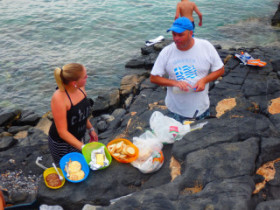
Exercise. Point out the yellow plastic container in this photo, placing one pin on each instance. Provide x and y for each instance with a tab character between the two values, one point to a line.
51	171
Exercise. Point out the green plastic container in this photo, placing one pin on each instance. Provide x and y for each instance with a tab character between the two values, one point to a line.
88	148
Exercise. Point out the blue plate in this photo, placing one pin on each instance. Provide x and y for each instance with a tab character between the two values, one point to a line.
74	156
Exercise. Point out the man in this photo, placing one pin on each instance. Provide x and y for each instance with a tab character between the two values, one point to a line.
185	8
187	62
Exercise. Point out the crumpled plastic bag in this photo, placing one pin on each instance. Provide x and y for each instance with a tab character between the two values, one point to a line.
167	129
150	157
92	164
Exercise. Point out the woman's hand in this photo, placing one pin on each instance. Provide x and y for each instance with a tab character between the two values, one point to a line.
93	136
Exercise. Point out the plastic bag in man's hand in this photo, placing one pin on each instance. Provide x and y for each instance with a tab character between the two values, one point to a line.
166	128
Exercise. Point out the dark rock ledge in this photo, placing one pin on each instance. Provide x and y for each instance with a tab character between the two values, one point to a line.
218	162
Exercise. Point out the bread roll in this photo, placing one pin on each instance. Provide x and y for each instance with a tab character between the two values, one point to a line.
122	156
116	154
77	175
74	166
112	148
130	151
119	146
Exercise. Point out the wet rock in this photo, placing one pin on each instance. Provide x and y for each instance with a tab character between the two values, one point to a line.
268	205
128	101
218	162
130	84
276	65
44	125
120	112
136	63
102	126
275	21
7	116
270	150
27	118
232	193
105	102
16	129
7	142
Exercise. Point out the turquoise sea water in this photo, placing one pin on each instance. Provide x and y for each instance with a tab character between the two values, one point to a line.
37	36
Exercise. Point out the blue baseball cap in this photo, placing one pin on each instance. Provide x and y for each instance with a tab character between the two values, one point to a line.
181	24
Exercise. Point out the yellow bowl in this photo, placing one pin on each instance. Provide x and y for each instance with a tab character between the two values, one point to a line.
51	171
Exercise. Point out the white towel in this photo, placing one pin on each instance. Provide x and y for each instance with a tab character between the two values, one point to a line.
154	41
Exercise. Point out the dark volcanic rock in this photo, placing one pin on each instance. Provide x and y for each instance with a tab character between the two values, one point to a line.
275	21
218	162
27	118
7	116
7	142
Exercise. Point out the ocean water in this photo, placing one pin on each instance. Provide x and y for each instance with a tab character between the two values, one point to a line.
37	36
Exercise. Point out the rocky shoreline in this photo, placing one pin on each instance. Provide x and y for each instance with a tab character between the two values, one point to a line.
217	167
217	164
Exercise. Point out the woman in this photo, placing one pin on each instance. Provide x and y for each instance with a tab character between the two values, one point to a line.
71	109
2	201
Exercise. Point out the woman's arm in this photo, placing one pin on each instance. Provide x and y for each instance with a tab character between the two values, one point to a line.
92	133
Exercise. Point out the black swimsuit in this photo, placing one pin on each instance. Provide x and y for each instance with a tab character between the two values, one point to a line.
77	117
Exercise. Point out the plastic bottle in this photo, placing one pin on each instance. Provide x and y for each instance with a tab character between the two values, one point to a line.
247	56
177	90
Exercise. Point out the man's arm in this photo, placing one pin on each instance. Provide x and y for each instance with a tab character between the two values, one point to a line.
200	85
199	14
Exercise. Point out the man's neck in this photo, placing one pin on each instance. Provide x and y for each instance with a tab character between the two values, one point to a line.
187	46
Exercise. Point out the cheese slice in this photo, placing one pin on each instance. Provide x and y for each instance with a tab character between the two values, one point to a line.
100	159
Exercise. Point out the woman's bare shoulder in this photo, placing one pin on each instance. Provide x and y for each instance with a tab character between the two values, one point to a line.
59	96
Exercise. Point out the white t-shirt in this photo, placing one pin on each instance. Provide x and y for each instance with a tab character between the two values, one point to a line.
190	66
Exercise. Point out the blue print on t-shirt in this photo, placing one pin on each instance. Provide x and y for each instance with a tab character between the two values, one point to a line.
185	72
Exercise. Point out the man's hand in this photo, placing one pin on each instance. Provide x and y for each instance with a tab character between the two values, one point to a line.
200	85
183	85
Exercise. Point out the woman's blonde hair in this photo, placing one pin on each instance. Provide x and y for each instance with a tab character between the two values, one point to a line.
68	73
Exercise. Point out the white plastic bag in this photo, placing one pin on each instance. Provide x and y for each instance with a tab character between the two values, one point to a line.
150	157
167	129
47	207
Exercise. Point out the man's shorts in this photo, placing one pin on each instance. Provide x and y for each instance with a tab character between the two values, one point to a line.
181	118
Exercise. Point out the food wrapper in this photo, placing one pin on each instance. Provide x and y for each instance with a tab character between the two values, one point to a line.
98	159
